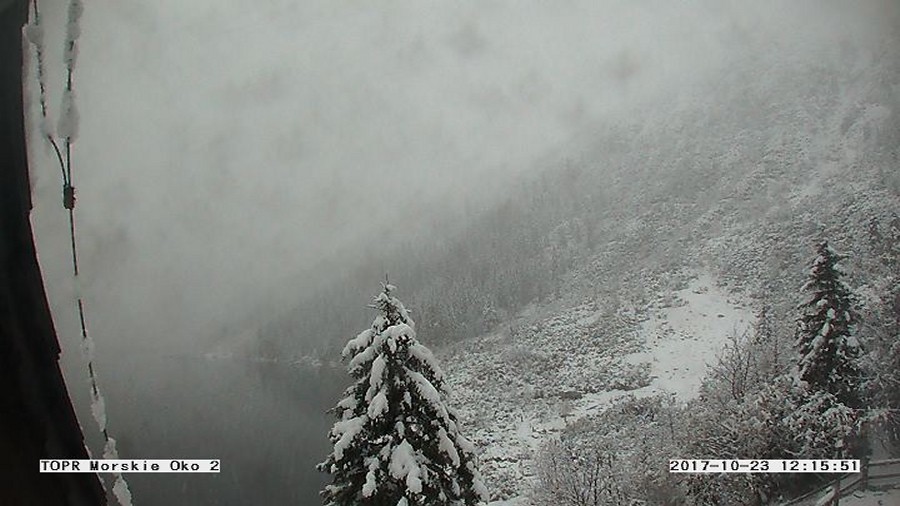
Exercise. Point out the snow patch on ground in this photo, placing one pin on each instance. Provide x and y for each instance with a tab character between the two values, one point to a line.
515	501
683	341
872	498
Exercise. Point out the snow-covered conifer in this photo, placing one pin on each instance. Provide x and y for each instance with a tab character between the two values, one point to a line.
829	351
396	441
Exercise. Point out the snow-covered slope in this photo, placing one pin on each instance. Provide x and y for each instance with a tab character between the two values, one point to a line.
682	340
516	388
889	497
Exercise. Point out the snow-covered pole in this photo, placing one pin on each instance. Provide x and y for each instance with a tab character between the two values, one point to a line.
67	130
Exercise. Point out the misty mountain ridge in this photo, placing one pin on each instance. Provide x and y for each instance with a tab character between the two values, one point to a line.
740	178
592	277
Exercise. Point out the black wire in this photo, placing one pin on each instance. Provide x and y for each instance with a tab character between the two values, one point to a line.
74	247
39	54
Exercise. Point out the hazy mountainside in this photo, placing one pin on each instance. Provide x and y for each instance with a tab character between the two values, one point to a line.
521	387
620	269
738	177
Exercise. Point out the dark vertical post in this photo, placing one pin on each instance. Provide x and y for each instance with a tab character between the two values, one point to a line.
837	490
864	473
37	420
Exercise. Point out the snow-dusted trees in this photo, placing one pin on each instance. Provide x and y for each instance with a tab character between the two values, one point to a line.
829	351
888	361
582	472
883	321
616	457
396	442
754	405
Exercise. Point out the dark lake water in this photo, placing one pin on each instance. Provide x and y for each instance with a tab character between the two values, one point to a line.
266	422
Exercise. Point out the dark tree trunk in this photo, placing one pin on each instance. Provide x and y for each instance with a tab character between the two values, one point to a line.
37	420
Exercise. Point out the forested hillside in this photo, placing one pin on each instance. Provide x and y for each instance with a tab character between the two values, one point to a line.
740	176
549	304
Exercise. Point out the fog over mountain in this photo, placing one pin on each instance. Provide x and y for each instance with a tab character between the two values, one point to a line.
246	175
224	150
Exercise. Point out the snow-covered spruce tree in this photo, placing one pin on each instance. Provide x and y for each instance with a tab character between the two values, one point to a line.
396	442
829	351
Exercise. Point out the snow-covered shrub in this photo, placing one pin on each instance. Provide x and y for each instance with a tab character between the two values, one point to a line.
824	427
884	386
631	377
747	362
737	429
616	457
584	472
524	358
881	324
736	372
